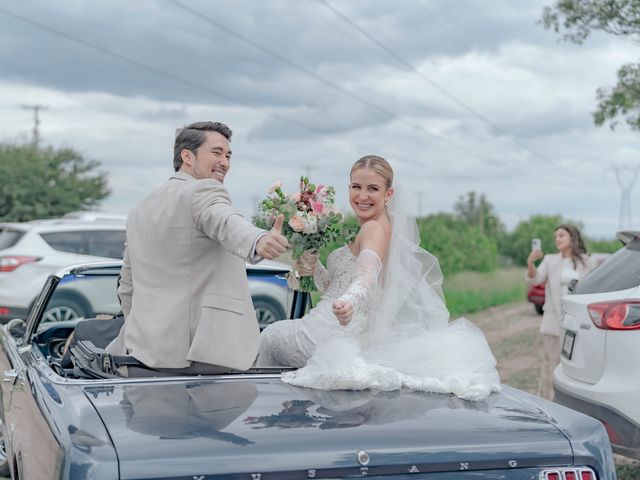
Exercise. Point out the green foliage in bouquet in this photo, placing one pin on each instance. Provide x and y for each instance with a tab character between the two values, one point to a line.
311	222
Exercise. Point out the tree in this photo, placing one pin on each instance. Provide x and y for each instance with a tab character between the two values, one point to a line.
603	246
45	183
476	211
457	245
578	18
537	226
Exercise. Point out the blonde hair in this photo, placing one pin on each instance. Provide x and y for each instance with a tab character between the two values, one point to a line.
377	164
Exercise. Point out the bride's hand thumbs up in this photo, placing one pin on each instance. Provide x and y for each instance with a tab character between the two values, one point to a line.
273	244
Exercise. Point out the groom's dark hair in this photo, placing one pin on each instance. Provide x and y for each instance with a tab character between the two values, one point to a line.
192	136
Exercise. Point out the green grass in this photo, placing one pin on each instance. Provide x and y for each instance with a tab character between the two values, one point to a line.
468	292
628	472
526	379
514	344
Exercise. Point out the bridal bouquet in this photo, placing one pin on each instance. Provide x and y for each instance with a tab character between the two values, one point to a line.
311	222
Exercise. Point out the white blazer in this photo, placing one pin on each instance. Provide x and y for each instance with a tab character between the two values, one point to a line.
184	289
550	273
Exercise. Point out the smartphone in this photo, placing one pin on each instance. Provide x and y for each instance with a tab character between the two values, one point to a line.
536	244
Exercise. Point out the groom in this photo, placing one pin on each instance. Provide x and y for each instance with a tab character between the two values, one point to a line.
184	288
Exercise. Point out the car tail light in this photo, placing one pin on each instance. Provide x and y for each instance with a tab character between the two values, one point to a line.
5	311
618	315
611	432
9	263
581	473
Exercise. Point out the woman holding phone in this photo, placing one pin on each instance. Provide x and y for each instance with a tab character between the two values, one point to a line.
558	271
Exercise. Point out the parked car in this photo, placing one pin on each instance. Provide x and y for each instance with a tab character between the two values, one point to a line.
535	293
600	349
31	251
88	422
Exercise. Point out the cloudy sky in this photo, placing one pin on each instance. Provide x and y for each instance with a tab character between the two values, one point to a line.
459	95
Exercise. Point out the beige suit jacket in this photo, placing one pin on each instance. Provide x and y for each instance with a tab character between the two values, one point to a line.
184	288
550	273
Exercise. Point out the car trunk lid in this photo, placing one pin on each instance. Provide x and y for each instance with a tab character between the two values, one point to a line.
258	425
583	345
584	348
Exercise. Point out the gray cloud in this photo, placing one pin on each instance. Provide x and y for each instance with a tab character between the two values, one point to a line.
302	112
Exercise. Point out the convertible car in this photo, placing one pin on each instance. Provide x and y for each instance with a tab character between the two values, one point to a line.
84	421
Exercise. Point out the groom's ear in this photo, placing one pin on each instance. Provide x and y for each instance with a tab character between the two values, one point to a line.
187	156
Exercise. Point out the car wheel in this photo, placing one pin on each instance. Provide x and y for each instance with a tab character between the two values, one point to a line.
4	463
538	308
60	309
267	311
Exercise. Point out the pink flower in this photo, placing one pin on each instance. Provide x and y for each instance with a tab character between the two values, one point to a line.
295	196
296	223
275	186
319	189
317	207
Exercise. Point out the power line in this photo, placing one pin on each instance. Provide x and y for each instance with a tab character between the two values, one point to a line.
198	86
149	68
461	42
431	82
171	76
335	86
276	55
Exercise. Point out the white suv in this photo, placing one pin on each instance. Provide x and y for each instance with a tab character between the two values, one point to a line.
31	251
601	346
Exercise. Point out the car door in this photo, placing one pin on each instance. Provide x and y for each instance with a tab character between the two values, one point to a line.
33	441
10	368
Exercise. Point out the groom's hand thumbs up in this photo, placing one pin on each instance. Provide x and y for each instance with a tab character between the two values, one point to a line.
277	225
273	244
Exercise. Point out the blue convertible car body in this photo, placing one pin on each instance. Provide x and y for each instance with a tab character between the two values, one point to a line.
61	423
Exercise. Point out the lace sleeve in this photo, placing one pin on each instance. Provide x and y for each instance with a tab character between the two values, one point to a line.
321	277
368	269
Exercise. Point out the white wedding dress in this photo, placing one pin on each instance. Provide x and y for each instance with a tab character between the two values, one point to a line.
399	335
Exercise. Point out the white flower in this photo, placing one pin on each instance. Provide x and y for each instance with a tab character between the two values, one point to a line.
275	186
310	224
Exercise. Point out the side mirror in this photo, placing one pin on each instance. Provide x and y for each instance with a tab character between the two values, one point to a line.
17	327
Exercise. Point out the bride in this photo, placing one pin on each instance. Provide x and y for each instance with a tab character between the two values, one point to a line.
382	322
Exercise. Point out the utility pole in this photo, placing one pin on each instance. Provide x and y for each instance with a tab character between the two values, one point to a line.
35	139
420	203
308	169
625	216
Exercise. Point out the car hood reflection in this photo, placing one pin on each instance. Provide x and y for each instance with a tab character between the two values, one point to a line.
213	426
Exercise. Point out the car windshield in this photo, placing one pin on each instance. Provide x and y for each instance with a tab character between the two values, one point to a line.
83	294
92	292
621	271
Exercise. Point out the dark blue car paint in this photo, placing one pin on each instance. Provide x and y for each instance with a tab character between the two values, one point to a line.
254	426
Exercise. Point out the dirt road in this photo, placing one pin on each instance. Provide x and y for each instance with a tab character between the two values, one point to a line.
512	333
